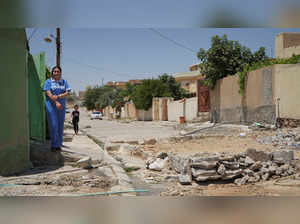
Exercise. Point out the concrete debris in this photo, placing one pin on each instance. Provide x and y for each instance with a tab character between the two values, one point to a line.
283	156
111	147
85	163
221	170
242	168
249	161
150	141
158	164
258	155
185	179
283	140
205	165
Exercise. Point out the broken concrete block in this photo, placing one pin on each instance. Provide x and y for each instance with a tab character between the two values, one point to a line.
206	165
206	178
241	181
231	165
158	164
176	163
265	176
285	156
256	166
221	170
249	161
198	172
150	141
111	147
85	163
231	174
185	179
208	159
258	155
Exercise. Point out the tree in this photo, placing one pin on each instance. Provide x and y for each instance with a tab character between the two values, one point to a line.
172	86
226	57
96	97
164	86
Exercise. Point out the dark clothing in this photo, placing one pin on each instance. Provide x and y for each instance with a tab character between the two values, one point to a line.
76	127
75	120
75	115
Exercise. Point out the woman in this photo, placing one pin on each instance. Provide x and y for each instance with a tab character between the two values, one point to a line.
56	90
75	119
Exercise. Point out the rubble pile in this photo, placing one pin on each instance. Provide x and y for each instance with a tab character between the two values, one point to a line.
290	139
287	123
79	181
247	167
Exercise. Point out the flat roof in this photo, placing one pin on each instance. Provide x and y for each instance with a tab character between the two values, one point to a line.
191	74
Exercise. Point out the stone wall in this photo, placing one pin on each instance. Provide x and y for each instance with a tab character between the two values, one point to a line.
257	104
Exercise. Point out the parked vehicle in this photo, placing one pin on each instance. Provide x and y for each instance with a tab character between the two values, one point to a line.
96	115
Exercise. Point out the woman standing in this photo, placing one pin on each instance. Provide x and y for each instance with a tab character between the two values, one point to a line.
56	90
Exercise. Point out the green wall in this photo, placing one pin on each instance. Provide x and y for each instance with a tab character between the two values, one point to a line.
37	114
14	117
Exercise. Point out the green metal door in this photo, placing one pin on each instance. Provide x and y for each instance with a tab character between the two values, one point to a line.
36	78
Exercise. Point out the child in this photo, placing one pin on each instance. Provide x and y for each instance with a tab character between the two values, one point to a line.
75	119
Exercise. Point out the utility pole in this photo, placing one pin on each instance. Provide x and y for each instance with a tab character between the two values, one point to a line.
58	46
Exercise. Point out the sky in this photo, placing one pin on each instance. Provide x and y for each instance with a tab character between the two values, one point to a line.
90	55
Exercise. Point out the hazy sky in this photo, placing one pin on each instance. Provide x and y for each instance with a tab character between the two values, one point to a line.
115	54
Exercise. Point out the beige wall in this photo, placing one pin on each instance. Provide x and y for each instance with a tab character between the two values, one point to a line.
287	88
191	108
143	115
178	108
259	103
229	96
160	108
227	105
189	85
175	110
287	44
256	86
129	111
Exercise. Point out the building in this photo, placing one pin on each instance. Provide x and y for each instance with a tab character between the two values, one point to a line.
81	94
287	44
188	80
14	119
122	85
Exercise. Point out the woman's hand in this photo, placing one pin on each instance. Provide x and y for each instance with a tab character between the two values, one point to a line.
54	97
58	105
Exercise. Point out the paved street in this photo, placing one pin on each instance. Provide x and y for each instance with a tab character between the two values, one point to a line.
106	130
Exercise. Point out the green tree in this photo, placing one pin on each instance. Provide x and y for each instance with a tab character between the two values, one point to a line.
164	86
226	57
173	87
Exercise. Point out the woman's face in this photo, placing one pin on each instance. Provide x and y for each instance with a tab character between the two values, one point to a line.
56	74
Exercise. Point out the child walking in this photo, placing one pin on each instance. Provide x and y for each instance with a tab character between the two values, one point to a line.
75	119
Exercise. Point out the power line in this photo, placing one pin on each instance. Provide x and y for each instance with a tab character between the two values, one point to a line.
173	41
96	68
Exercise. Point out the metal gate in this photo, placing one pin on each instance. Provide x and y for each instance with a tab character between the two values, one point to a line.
203	97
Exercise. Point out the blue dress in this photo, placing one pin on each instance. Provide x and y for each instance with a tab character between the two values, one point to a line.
56	117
